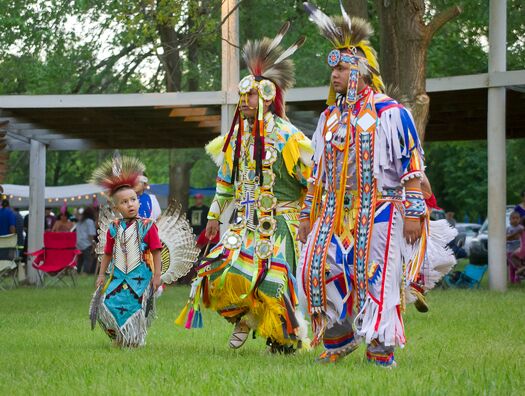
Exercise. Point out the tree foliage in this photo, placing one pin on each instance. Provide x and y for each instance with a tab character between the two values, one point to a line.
458	173
107	46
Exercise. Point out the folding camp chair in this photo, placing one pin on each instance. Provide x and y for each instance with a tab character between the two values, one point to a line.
468	279
58	259
8	260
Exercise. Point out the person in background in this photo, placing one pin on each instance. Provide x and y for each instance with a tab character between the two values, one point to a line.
26	238
86	232
50	219
450	218
520	208
514	231
149	205
74	217
514	248
19	228
198	214
63	224
7	219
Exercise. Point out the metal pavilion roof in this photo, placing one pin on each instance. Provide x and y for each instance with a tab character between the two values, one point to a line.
458	111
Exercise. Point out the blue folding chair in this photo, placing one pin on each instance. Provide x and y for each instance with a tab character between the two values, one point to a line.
468	279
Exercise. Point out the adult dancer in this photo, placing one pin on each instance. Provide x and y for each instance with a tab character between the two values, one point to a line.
364	217
248	278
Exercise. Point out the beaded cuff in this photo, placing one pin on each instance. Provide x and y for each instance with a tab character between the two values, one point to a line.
415	205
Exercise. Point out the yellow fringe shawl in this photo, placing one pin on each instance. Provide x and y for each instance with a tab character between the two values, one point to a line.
296	147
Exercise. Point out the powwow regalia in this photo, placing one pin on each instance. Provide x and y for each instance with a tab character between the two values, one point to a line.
125	305
356	265
263	167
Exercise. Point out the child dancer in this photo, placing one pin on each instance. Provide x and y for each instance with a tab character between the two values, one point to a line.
124	301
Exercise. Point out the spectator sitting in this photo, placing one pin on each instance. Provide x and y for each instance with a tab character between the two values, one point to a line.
63	224
86	232
19	228
514	231
50	219
516	257
520	208
7	219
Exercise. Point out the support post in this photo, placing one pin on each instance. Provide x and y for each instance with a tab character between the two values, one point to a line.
497	186
230	59
37	183
230	73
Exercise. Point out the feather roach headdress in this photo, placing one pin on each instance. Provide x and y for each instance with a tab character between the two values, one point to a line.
350	34
118	172
271	70
271	73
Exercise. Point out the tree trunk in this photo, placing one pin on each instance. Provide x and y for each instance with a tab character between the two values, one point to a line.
193	49
405	39
357	8
171	57
179	180
403	49
57	171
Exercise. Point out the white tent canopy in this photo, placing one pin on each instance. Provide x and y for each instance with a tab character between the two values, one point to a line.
76	194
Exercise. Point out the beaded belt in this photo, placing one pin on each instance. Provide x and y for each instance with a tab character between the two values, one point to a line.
391	194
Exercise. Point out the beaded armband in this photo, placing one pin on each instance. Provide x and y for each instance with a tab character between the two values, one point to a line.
216	208
307	207
415	205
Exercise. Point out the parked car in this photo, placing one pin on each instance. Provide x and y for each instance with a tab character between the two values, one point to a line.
467	231
479	245
437	214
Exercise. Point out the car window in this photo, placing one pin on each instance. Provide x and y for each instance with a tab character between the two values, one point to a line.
437	214
484	227
470	231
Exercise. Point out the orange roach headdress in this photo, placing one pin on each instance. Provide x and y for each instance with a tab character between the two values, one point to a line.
118	172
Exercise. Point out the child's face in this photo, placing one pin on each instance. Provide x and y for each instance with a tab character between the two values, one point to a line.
514	219
126	203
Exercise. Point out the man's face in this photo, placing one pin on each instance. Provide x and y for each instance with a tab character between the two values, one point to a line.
340	76
126	203
249	103
198	201
140	187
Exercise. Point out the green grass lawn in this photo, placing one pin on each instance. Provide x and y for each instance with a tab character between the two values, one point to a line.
471	342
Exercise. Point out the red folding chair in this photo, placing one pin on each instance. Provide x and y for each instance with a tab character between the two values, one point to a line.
58	259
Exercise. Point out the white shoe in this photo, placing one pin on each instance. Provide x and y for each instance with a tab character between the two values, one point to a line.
239	335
